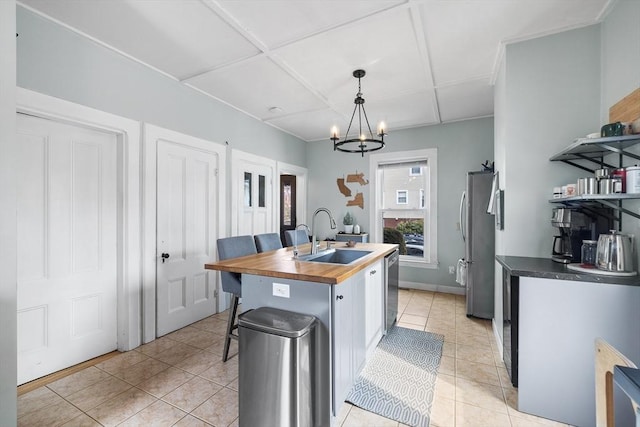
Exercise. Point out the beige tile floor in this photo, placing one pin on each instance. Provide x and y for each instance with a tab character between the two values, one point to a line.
180	380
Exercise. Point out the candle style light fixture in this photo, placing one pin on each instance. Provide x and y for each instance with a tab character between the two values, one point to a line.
362	144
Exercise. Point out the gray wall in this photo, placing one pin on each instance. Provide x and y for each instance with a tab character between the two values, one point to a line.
547	94
58	62
462	147
620	76
8	240
550	91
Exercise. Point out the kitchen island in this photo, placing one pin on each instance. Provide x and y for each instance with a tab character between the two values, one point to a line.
347	300
552	316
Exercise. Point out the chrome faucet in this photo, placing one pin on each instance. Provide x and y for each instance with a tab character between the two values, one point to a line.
295	239
314	248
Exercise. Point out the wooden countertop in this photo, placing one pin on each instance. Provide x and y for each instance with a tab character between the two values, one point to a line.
280	263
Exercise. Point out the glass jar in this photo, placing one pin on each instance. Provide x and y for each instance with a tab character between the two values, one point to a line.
588	253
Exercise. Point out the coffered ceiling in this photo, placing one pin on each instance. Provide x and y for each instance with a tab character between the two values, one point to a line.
289	63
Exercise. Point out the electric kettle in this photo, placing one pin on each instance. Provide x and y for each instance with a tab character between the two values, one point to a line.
615	252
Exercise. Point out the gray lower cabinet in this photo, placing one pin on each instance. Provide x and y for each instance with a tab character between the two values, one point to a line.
342	330
559	321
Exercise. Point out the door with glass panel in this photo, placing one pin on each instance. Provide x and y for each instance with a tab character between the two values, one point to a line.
253	203
288	211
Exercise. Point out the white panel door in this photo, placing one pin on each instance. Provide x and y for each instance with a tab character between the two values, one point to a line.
187	218
67	245
254	196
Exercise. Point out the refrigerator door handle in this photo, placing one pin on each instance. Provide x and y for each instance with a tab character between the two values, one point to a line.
462	231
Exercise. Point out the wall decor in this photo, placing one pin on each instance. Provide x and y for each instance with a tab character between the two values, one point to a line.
354	178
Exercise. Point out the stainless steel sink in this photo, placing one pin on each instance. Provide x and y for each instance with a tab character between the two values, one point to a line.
335	256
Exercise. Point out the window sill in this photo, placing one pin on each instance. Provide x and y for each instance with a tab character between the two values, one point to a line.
418	264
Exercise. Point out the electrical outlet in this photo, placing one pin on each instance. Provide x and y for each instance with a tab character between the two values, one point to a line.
280	290
452	269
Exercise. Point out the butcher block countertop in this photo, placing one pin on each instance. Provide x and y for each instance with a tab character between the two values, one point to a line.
280	263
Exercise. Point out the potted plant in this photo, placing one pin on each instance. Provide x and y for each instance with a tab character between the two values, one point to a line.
348	223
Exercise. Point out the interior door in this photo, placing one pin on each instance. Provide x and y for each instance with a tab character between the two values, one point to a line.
288	211
256	212
67	245
186	234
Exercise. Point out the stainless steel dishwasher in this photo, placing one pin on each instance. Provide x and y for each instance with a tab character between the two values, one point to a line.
391	272
277	361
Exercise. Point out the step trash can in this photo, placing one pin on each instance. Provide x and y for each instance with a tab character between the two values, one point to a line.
276	368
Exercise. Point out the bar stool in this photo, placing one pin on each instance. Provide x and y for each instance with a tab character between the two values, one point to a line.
268	242
233	247
289	237
606	358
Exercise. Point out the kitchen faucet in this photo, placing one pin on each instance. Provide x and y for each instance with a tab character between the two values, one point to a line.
295	239
314	249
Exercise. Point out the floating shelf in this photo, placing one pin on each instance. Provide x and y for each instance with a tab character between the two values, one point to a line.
593	151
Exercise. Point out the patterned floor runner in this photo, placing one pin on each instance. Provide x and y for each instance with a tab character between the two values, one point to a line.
398	381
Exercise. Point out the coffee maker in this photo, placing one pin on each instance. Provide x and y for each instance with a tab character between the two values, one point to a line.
573	227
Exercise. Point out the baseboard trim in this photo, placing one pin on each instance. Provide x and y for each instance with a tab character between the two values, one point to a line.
32	385
456	290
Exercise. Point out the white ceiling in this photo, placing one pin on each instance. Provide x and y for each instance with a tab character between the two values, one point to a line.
427	61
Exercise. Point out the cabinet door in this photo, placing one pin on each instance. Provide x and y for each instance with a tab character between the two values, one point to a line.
359	338
374	306
342	326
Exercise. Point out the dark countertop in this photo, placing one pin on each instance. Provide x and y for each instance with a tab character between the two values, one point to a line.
544	268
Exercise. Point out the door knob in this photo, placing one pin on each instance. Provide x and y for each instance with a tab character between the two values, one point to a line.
164	256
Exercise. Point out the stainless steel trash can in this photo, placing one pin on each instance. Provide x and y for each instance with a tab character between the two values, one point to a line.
277	366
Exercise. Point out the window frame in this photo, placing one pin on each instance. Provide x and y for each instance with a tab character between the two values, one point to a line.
430	258
406	197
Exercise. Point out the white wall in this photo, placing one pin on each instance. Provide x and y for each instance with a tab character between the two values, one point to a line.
8	346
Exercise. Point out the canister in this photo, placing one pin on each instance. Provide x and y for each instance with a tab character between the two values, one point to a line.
588	252
620	175
633	179
605	186
592	186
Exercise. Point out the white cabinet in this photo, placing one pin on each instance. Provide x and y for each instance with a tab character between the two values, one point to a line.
349	343
374	306
342	326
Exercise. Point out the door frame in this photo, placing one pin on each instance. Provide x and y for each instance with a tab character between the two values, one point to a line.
150	134
128	162
301	175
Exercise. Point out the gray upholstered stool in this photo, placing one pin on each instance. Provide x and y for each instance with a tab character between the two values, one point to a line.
267	242
233	247
289	238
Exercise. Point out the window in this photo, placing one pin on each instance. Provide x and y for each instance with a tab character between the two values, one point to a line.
247	189
405	205
401	197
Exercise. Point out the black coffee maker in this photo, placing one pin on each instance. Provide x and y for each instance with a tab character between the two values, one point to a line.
573	227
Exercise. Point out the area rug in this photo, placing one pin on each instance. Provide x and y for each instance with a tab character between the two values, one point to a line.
398	381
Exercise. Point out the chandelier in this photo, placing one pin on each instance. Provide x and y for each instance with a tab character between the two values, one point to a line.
362	143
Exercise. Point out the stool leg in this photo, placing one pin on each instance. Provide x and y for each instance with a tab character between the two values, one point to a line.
230	326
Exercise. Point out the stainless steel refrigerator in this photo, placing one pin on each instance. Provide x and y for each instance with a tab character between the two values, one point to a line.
478	233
